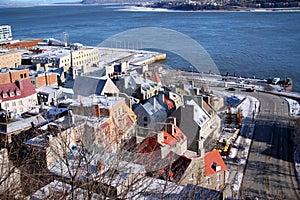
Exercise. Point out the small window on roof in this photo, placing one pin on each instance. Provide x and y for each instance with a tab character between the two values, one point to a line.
21	75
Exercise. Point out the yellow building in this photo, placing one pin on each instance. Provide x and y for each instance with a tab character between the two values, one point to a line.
10	58
65	57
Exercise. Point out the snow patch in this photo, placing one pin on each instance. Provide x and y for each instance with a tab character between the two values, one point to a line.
294	107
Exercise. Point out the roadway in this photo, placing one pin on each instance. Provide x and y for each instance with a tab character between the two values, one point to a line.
269	173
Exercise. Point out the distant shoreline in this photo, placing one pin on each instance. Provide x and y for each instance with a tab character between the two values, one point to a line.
140	8
137	8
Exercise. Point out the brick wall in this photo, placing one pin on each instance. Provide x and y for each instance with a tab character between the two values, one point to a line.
12	76
49	79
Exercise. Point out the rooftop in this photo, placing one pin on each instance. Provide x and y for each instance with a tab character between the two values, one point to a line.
57	190
213	163
17	90
104	101
201	117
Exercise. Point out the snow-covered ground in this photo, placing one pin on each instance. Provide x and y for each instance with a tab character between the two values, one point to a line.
237	181
294	107
249	105
294	110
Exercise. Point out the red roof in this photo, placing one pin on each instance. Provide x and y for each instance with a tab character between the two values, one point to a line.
169	139
17	90
148	145
213	163
178	136
170	104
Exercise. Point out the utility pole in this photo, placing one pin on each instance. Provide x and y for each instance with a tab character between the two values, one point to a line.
192	75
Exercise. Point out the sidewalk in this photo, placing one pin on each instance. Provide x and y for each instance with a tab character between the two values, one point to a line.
237	166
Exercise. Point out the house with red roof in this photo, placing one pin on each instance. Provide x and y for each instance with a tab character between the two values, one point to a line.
207	171
170	139
17	97
214	170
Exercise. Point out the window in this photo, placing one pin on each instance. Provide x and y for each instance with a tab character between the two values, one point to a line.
20	103
21	75
192	177
25	75
13	103
207	181
219	176
145	119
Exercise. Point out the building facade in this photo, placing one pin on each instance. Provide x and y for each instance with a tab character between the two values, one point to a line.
18	97
10	58
5	33
11	76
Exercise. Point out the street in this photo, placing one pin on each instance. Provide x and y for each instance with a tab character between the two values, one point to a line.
269	173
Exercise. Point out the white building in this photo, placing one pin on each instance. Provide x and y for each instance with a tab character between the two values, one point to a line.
5	33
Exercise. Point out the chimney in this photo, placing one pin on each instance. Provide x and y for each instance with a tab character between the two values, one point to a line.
96	110
170	128
10	77
37	67
201	151
173	120
46	67
160	136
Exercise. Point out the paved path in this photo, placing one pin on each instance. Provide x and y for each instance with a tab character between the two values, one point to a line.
269	172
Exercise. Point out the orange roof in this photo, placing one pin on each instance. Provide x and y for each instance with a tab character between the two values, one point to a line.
213	163
169	139
170	104
178	136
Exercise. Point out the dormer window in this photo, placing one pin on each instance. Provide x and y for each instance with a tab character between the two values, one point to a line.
18	93
216	167
4	95
11	94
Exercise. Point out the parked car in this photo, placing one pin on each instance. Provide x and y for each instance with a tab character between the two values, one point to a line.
250	90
